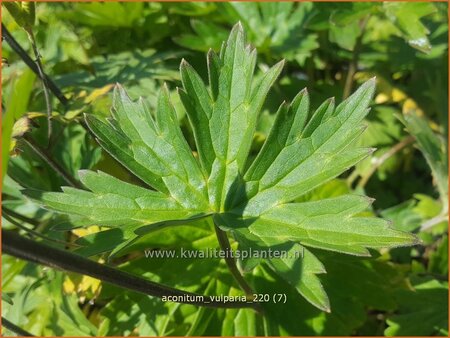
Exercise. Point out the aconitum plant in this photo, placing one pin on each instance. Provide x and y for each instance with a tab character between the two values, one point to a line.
254	201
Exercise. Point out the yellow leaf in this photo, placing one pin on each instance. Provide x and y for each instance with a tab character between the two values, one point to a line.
13	151
21	126
71	114
81	94
98	92
33	115
81	232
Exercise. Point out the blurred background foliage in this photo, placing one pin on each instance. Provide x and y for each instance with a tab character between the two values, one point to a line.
330	48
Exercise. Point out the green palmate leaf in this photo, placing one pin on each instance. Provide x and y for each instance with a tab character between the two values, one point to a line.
258	203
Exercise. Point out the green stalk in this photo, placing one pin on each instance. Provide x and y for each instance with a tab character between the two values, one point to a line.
231	263
44	82
12	42
14	328
354	62
33	232
43	154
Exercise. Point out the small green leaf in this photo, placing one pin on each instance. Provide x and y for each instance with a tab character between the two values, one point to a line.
207	35
29	10
423	311
23	12
407	17
16	106
433	148
7	299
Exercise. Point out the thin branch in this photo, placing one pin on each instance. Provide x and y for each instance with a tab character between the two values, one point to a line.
33	232
12	42
443	278
42	153
352	177
40	253
383	158
20	217
43	77
354	62
14	328
225	246
433	221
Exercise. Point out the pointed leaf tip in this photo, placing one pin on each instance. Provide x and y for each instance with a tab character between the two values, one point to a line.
183	63
165	88
89	118
118	86
237	30
280	65
372	82
119	90
82	173
370	200
418	240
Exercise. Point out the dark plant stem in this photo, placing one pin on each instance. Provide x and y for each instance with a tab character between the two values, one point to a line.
352	68
14	328
20	217
437	276
12	42
56	137
33	232
40	253
231	263
43	154
43	77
